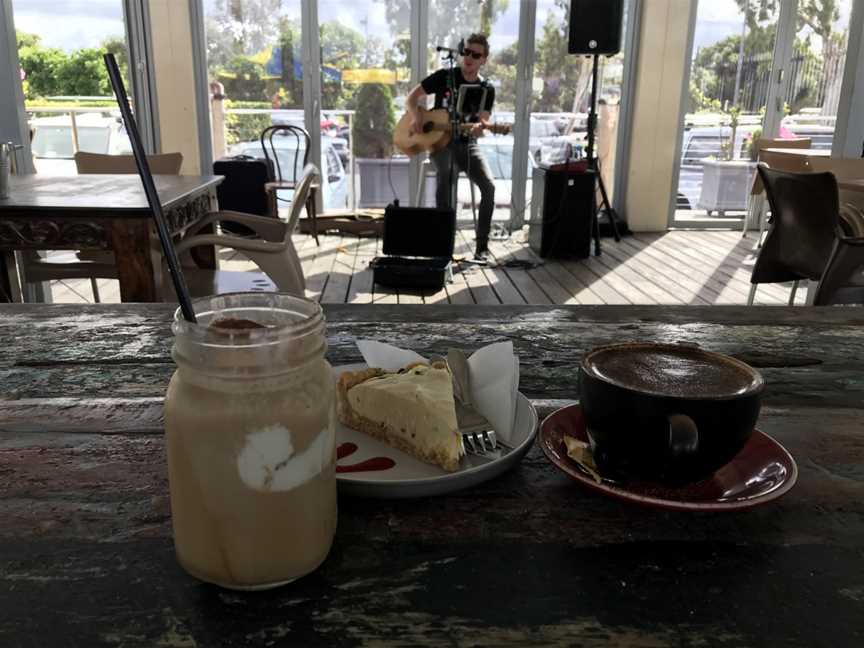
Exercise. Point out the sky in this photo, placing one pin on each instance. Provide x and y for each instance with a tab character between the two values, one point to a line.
70	24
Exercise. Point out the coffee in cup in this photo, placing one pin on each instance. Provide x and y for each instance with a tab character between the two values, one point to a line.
667	412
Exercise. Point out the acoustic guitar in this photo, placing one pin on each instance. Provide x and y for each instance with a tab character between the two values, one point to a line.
435	134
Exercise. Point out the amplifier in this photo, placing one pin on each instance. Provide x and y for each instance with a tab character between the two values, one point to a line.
562	212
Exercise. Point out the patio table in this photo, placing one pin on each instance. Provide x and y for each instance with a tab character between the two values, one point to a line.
103	212
86	553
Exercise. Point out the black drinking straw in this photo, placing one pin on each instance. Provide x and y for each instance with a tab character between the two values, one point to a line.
150	189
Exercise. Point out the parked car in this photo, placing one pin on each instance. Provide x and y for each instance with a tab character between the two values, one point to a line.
541	131
334	183
498	151
340	145
705	142
822	137
53	147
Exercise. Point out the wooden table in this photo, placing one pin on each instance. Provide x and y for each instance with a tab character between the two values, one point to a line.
531	558
805	153
105	212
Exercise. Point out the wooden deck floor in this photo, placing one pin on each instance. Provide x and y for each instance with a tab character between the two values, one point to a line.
680	267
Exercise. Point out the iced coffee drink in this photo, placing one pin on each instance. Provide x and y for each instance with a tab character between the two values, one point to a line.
249	420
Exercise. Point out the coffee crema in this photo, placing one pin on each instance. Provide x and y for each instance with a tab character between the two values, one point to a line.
668	371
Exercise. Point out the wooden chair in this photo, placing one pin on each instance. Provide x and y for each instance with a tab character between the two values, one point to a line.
804	226
288	168
272	251
89	264
784	163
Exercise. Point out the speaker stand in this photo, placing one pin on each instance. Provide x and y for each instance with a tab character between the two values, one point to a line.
593	164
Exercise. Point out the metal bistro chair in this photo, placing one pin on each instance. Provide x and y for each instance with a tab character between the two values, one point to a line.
805	223
272	250
91	264
286	177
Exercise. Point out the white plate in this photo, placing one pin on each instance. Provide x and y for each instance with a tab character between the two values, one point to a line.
413	478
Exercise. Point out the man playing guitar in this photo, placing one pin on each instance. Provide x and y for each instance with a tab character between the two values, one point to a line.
466	153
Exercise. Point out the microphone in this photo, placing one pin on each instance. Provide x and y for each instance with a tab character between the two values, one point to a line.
446	49
460	48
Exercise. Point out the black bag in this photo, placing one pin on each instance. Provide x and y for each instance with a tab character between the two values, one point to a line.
419	243
243	189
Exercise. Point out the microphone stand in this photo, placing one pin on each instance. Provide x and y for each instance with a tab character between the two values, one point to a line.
593	166
450	57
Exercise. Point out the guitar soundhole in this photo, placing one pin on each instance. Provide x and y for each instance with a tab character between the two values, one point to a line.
428	126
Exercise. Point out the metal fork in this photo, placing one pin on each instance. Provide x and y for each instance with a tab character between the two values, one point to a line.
482	442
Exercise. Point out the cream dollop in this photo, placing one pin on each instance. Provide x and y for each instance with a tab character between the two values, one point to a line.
268	461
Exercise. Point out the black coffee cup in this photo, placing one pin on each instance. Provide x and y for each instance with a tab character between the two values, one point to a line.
666	412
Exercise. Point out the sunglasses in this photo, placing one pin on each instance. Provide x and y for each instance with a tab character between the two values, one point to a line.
473	54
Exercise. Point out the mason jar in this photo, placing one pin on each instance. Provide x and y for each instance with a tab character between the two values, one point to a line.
249	424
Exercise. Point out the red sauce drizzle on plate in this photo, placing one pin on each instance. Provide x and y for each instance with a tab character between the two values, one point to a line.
345	450
370	465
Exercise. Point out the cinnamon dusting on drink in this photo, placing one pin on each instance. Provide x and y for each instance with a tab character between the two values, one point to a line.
235	324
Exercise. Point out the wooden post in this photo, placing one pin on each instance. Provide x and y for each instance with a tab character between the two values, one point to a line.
217	119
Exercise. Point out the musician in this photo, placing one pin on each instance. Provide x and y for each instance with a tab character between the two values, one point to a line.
464	149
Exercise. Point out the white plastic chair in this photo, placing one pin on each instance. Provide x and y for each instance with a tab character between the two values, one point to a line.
273	251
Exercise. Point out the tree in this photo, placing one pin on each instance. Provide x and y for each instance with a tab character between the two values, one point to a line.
819	15
243	80
374	121
40	65
83	73
716	66
116	45
566	78
449	20
502	68
344	48
52	72
237	27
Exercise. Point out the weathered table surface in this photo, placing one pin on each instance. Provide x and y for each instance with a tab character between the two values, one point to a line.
86	556
851	185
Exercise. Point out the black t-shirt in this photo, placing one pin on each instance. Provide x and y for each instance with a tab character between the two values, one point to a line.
437	83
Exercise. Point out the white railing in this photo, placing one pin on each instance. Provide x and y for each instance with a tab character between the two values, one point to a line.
73	113
298	116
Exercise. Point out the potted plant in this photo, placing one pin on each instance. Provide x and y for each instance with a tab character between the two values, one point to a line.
375	121
726	181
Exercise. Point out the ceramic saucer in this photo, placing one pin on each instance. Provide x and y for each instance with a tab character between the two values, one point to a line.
760	473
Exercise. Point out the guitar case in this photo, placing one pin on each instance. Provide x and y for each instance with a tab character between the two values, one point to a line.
418	247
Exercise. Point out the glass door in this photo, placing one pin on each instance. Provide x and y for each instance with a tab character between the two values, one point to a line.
449	22
819	56
255	72
365	78
561	95
741	49
731	71
67	96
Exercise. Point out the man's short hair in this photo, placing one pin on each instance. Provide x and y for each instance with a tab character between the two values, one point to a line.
479	39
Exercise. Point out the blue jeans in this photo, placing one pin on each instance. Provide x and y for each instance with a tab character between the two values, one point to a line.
469	159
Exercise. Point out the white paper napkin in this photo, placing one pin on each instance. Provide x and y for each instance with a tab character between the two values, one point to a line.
494	378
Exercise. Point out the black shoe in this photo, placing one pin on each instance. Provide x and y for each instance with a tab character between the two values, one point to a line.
481	252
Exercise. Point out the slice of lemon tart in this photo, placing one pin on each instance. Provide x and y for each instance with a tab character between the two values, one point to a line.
412	410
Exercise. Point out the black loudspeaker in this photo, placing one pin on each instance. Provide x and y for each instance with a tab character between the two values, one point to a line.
562	213
595	26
